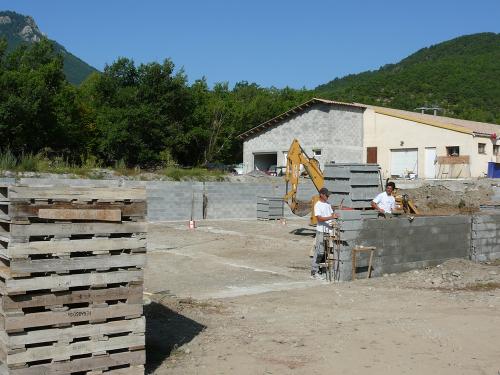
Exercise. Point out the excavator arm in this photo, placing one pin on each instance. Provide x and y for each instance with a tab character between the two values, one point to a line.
295	158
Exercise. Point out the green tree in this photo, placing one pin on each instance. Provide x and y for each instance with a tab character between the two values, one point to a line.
37	106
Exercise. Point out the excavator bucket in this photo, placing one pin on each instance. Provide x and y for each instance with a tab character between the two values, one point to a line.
303	208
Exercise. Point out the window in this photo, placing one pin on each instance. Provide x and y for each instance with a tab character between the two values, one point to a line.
316	152
481	148
496	149
452	150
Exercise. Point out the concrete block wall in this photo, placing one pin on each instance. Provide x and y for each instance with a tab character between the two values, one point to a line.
485	239
227	200
403	245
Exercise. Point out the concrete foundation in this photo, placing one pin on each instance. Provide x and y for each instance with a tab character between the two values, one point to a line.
401	244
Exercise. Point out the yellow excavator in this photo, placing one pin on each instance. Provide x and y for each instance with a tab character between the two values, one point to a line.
295	158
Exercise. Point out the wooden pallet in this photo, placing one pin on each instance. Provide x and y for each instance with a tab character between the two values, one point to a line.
58	282
20	267
15	193
131	294
19	233
67	246
94	363
57	317
29	211
69	334
76	341
63	350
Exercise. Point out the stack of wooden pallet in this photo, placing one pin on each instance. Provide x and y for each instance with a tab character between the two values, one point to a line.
71	280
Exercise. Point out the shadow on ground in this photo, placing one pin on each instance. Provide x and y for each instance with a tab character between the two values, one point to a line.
304	232
165	331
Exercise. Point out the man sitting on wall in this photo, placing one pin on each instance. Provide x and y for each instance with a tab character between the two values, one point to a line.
385	203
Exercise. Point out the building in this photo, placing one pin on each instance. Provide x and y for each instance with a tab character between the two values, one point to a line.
405	144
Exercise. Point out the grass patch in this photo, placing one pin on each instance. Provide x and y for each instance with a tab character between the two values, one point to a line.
91	167
7	161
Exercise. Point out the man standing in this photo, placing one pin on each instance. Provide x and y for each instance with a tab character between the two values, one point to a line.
385	203
324	214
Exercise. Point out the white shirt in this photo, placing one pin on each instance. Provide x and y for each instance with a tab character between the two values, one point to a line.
323	209
385	202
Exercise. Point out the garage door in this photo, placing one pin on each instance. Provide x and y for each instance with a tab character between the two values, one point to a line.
404	161
263	160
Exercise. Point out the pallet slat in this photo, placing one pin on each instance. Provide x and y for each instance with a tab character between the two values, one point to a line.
56	281
50	318
64	352
135	358
80	214
69	229
19	210
71	246
131	293
68	334
22	266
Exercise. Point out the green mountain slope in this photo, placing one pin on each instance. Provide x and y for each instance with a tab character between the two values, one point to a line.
461	76
18	29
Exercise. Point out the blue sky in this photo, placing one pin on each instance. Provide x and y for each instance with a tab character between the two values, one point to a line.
272	43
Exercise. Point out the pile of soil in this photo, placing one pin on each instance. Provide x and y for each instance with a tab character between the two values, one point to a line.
440	200
452	275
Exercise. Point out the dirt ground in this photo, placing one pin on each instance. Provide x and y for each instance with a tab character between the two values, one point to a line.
234	297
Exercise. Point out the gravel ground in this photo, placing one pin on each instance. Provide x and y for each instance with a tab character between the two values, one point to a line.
234	297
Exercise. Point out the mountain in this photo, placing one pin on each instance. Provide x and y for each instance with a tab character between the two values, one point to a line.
18	29
461	76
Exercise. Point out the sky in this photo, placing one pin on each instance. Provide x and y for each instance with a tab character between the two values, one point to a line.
272	43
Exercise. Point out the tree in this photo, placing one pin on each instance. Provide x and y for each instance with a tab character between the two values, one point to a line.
37	105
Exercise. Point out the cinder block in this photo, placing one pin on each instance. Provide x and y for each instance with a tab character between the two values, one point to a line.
491	218
365	179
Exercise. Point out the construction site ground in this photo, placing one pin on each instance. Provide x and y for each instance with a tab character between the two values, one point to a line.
234	297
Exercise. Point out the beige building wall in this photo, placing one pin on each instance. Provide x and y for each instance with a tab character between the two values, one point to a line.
392	133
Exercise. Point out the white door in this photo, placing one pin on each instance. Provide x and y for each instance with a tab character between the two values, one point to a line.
404	161
430	162
285	158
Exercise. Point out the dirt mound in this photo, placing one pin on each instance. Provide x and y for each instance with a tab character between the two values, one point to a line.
440	200
454	274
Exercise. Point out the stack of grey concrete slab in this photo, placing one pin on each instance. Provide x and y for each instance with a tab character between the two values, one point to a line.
352	185
350	223
269	208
